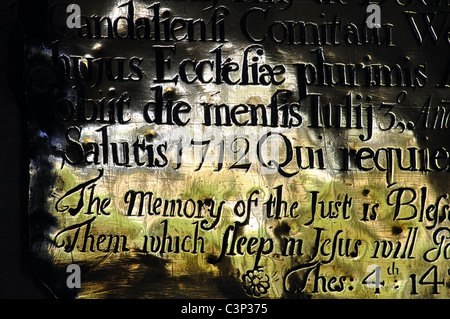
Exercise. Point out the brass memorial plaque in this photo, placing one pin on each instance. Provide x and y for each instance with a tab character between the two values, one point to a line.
240	149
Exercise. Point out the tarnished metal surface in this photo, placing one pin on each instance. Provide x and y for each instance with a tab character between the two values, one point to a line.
226	149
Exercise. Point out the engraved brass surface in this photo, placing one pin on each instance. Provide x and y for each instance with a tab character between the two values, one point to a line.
231	149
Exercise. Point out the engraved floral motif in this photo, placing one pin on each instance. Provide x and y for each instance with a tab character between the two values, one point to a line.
255	282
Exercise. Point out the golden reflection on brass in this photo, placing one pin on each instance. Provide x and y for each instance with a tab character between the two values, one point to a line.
242	151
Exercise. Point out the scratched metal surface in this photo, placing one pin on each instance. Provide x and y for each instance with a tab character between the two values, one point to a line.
81	199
